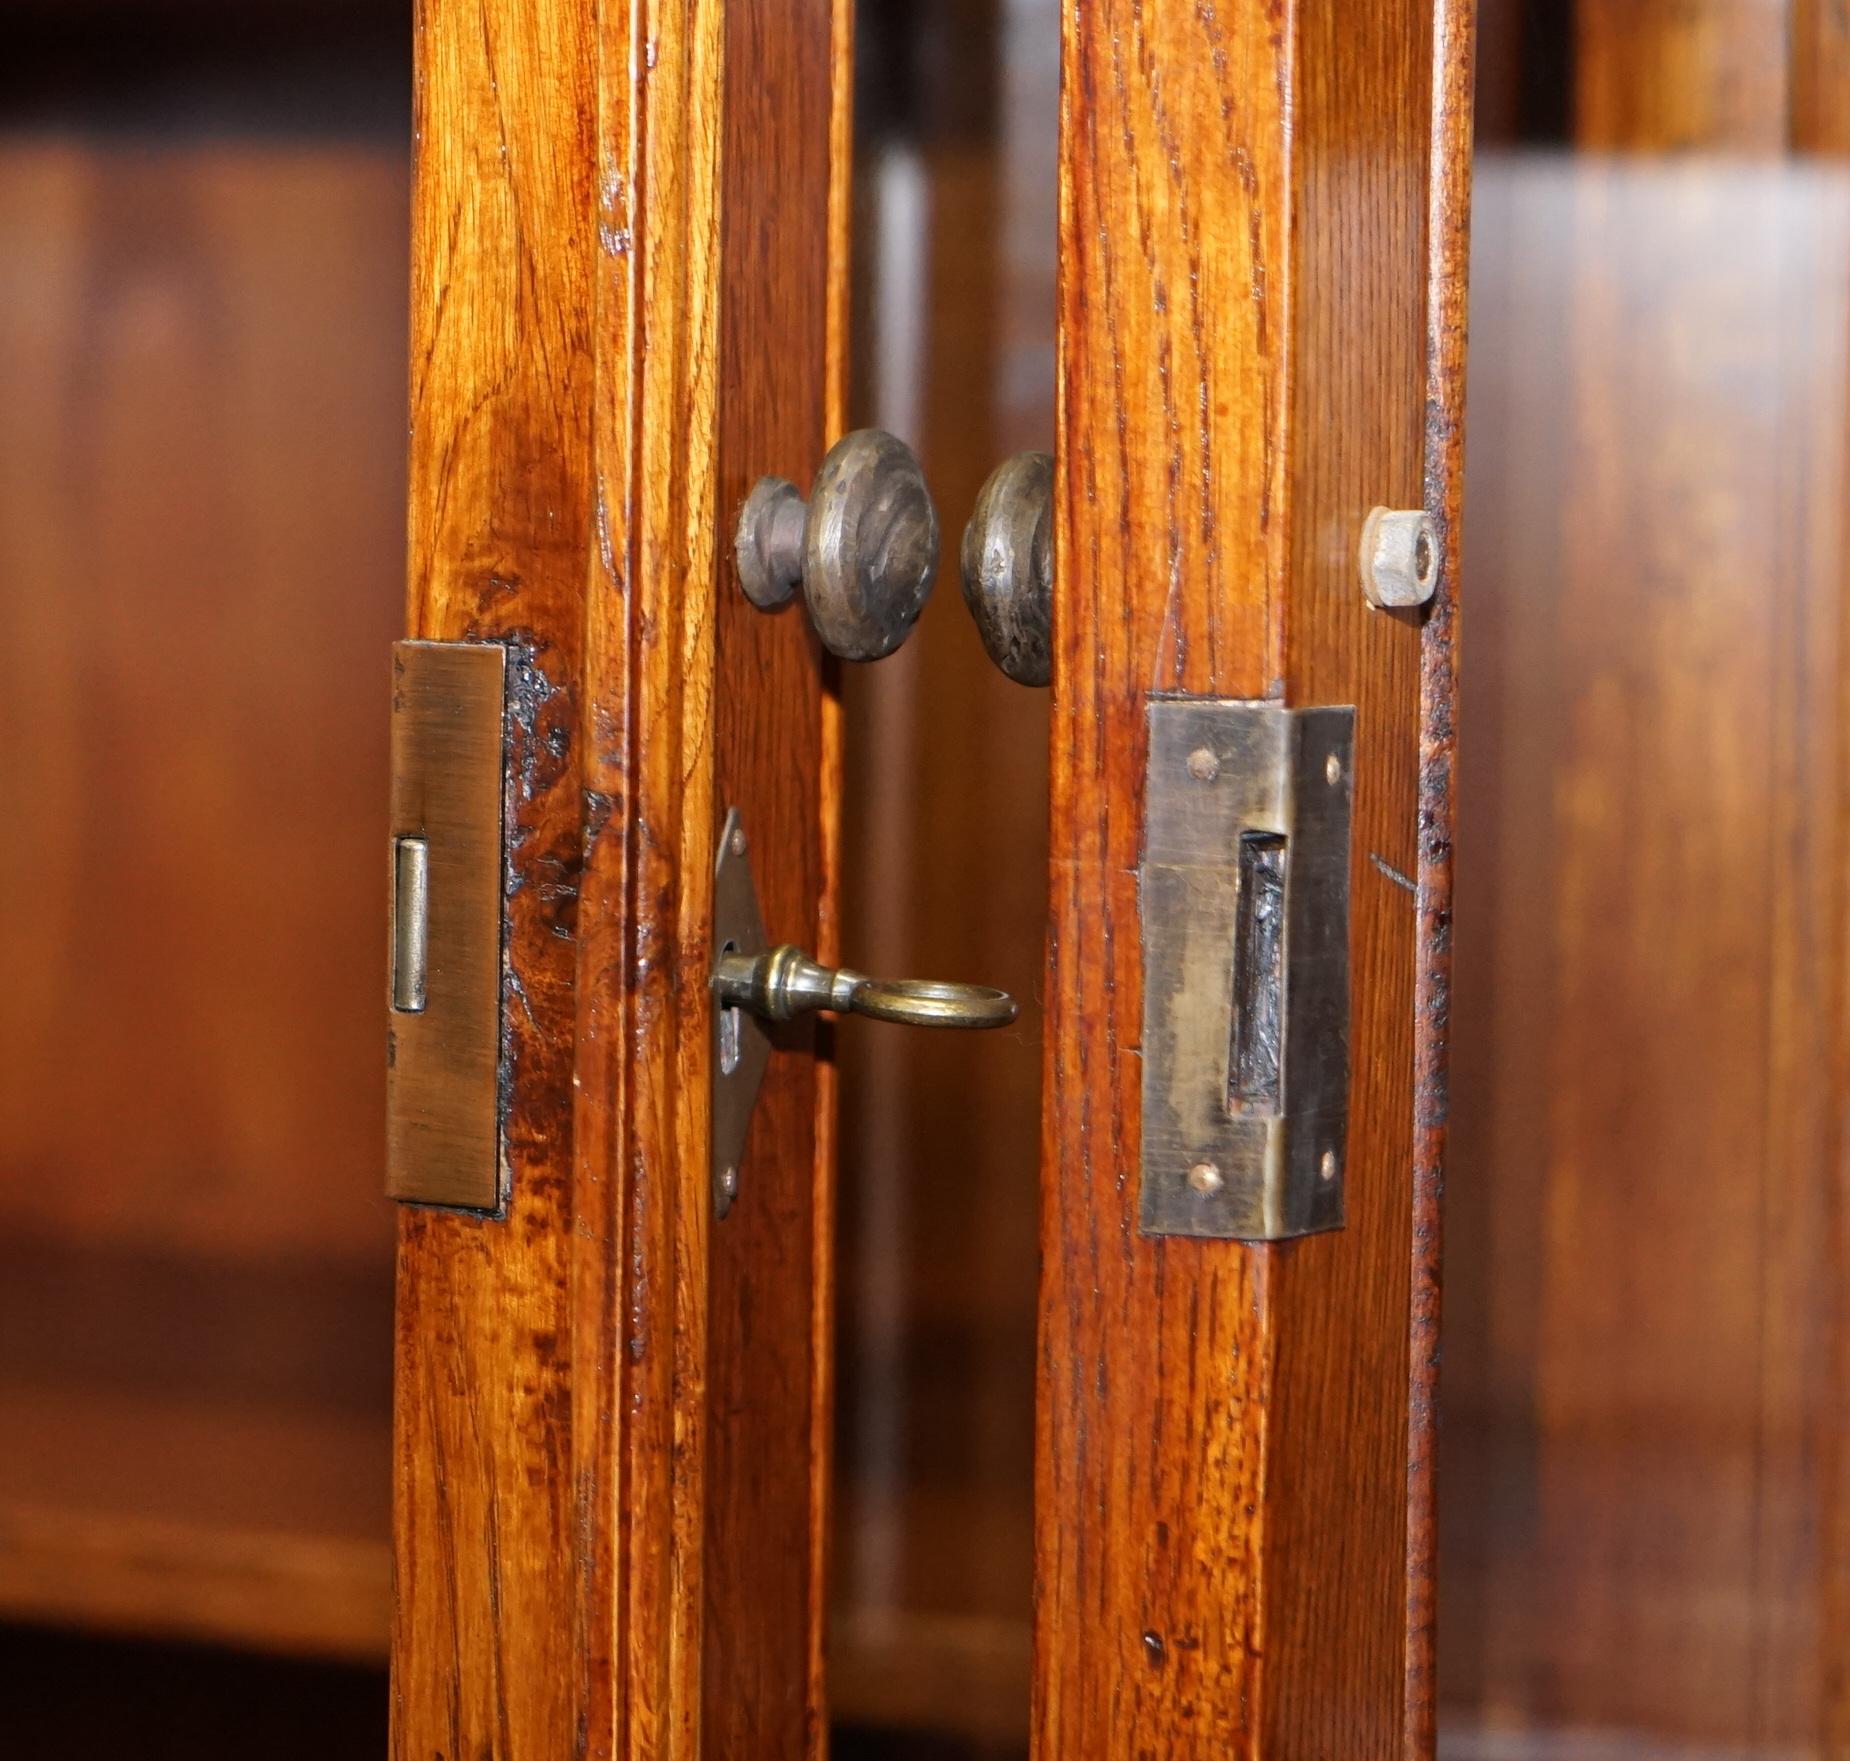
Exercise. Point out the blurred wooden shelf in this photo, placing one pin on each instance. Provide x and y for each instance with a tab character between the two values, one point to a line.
1472	1739
296	1594
896	1670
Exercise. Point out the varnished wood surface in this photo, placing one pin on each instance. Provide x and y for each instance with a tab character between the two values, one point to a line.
202	536
1222	1478
1642	1410
620	316
317	1595
959	1675
770	1266
1820	59
1448	259
1668	74
486	1579
1758	76
831	741
1645	1513
176	455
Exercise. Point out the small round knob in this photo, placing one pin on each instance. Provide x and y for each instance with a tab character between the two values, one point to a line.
863	548
1008	566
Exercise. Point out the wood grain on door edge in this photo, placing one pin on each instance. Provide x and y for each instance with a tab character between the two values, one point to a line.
1225	1563
1448	240
579	178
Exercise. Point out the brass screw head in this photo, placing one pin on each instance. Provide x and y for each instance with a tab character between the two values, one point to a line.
1205	1178
1203	764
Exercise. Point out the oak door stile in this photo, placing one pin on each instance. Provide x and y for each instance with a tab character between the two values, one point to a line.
598	189
1227	1562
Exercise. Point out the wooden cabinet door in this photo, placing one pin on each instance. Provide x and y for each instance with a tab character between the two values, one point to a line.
611	1407
1260	339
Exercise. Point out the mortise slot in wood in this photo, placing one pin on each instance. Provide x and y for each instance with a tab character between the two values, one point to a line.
1259	974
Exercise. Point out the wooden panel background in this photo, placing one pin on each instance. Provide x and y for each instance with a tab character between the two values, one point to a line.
1642	1476
1667	74
202	536
1649	923
945	872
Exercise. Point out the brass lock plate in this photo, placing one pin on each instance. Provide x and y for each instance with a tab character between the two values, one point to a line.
443	995
741	1042
1244	892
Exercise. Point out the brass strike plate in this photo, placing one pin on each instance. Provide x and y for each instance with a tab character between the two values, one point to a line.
1244	892
443	996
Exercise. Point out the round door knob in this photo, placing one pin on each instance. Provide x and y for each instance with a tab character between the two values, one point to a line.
1008	566
863	548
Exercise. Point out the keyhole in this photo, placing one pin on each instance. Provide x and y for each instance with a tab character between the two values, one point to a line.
730	1028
